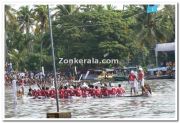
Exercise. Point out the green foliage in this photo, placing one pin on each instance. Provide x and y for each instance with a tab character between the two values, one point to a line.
85	31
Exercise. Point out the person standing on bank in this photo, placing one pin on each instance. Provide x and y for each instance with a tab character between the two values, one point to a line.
141	78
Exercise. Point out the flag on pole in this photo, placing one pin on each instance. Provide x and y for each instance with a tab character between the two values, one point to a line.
152	8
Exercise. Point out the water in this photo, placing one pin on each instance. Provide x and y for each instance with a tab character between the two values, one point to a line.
160	105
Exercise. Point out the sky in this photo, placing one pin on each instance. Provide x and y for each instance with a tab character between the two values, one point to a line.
118	7
17	6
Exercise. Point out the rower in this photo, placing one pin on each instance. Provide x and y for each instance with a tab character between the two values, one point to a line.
66	92
91	90
104	91
52	92
30	91
43	92
112	90
47	92
61	92
97	92
84	91
20	92
78	92
71	91
120	90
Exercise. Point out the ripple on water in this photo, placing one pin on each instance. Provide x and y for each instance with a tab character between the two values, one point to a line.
160	105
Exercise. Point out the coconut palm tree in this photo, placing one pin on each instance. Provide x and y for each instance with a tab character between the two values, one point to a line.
147	32
166	22
25	18
88	8
41	17
62	10
9	15
26	23
18	58
10	22
110	7
149	27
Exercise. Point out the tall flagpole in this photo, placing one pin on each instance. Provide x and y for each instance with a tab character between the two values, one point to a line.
54	64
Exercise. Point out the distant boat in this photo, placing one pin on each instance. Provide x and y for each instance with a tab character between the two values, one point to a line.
122	74
160	73
99	74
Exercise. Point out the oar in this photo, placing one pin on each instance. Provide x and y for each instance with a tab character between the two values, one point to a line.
39	86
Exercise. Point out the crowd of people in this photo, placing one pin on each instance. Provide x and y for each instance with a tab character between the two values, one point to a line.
77	91
29	78
67	89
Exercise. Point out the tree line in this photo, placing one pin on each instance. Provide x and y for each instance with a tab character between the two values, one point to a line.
86	31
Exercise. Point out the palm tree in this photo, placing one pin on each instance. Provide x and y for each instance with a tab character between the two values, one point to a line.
62	10
18	58
166	22
148	33
110	7
10	21
98	7
41	16
66	11
26	22
149	27
88	8
9	15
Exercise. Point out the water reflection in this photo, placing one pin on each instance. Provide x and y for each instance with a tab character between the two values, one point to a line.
160	105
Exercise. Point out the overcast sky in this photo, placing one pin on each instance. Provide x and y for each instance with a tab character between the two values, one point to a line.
118	7
17	6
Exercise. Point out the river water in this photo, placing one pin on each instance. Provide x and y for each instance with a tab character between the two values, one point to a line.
160	105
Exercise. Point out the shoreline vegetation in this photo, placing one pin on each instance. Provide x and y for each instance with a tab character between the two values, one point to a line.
86	31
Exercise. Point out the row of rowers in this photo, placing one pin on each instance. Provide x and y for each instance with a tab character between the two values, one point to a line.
65	92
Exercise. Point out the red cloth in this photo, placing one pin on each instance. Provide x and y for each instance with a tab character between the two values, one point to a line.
104	92
43	93
98	92
113	91
78	92
52	93
120	90
132	77
61	93
91	92
140	75
66	93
